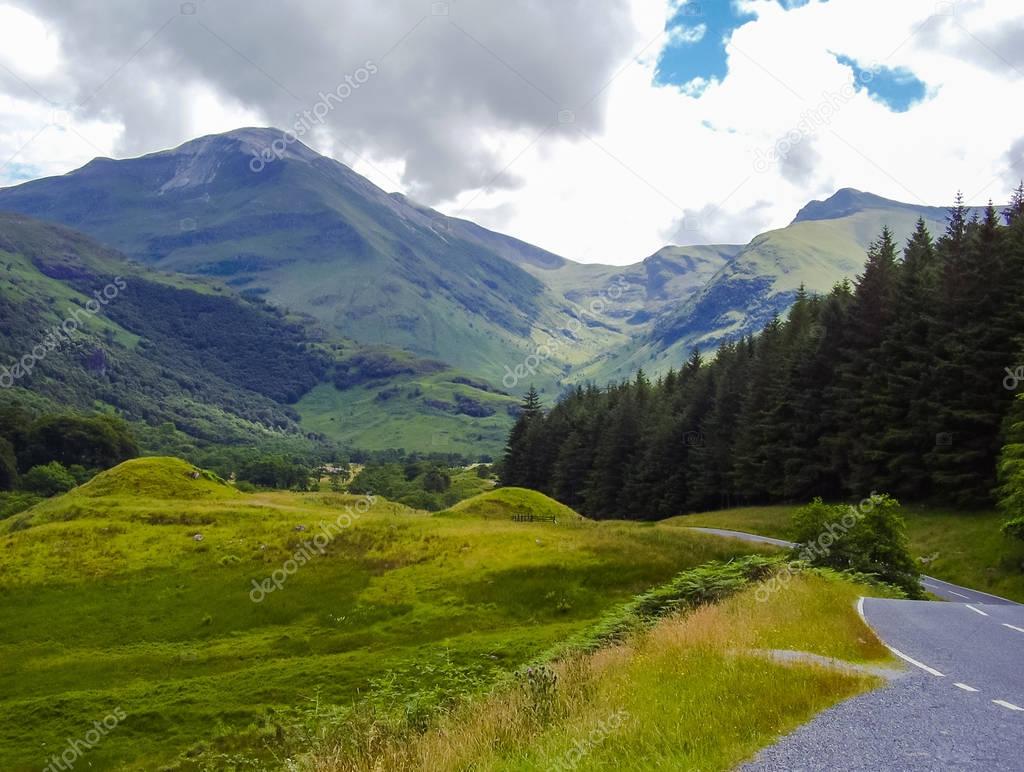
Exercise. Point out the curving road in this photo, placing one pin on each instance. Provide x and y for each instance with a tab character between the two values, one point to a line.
959	705
937	587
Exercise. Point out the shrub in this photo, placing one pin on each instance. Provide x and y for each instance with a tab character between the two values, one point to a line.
1014	528
48	479
275	472
8	466
436	480
98	442
870	538
13	503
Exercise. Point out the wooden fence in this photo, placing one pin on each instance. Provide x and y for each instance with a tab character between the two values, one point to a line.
534	518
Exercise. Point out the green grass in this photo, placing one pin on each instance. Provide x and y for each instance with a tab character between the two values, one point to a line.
502	503
357	417
110	601
965	548
694	692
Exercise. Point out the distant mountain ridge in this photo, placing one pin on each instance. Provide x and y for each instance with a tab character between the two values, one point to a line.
352	261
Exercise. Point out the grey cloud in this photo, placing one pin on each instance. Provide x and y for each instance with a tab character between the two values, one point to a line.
997	50
443	80
1015	161
799	164
719	225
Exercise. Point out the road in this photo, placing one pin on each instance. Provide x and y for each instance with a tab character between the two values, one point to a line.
937	587
959	705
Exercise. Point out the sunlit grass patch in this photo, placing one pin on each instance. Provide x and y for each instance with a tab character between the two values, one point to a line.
693	692
112	600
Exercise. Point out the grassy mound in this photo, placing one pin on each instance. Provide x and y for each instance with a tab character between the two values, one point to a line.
502	503
157	478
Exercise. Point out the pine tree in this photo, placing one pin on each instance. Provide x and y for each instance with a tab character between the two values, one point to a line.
909	363
862	377
968	400
520	465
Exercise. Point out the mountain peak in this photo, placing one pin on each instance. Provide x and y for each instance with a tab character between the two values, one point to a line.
198	160
253	140
843	202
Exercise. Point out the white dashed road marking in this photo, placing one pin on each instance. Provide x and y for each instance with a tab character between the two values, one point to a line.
976	610
1014	627
1008	705
914	662
957	594
965	687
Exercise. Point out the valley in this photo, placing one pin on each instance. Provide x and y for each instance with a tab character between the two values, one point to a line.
360	275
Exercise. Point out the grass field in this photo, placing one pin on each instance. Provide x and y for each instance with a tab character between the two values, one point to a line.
136	592
961	547
695	692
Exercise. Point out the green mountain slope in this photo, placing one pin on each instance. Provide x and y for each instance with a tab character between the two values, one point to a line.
353	262
222	368
310	235
824	244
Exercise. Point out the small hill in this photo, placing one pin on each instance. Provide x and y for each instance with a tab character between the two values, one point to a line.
157	478
502	503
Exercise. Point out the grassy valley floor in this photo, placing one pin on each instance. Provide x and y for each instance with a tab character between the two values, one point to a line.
136	592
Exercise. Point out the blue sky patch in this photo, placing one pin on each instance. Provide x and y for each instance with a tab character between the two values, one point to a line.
895	87
695	52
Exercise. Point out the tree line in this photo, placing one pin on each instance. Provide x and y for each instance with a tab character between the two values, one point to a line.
898	382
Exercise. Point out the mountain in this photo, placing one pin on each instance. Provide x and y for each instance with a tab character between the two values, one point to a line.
85	327
311	235
825	243
430	323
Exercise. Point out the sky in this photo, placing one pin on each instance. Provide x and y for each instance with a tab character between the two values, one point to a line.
598	129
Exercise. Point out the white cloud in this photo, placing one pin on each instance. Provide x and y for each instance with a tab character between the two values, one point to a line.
461	120
684	34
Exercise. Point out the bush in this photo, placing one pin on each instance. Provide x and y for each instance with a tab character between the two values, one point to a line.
13	503
1014	528
48	479
436	481
275	472
98	442
8	466
869	539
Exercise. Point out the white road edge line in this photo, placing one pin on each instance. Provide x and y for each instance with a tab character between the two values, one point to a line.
1014	627
914	662
965	687
860	610
1008	705
976	610
969	589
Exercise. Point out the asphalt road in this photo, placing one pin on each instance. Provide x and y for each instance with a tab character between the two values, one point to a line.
959	705
937	587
